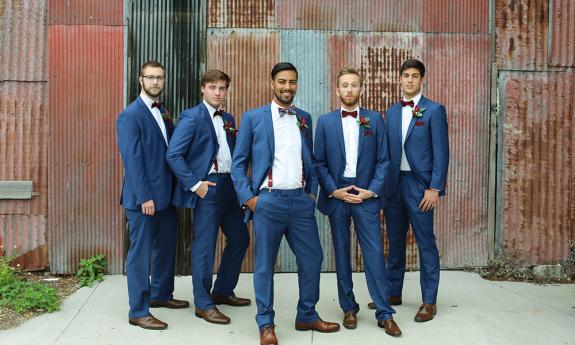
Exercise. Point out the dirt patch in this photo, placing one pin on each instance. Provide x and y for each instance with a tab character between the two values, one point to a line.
65	285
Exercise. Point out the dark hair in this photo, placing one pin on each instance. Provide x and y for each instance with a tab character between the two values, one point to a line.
349	70
413	63
212	75
283	66
151	63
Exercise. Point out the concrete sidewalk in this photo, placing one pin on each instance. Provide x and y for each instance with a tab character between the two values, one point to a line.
470	311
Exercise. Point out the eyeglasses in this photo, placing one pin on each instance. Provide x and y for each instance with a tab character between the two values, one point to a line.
153	77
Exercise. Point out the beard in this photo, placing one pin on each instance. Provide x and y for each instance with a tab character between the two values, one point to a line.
349	102
153	91
284	99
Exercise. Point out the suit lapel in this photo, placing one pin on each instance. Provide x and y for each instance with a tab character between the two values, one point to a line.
420	104
206	115
269	125
151	118
361	133
339	131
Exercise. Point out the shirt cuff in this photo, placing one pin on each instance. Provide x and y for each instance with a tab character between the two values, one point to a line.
196	186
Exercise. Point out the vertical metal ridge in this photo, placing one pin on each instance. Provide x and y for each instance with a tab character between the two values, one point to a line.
562	33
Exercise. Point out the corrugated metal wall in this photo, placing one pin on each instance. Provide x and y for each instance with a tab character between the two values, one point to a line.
321	37
24	128
536	87
86	78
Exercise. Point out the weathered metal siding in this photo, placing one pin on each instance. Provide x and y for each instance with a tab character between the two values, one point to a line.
24	128
86	78
562	50
521	29
86	12
240	13
536	174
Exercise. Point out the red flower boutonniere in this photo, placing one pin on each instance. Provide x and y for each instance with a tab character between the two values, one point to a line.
167	120
418	112
230	129
364	122
301	122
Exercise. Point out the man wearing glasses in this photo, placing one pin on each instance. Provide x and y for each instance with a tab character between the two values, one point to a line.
143	136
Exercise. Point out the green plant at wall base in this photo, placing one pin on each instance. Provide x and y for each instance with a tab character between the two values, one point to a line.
21	295
91	270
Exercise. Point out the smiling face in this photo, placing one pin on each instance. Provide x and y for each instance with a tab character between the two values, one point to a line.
215	93
284	86
152	81
411	82
349	90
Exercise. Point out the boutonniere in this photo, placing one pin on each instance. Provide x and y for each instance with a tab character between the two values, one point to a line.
301	122
167	120
364	122
230	129
418	112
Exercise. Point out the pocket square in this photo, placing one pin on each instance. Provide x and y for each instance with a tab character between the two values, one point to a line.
419	123
367	133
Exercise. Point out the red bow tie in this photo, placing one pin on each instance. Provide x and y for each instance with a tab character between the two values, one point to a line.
157	105
289	110
349	113
218	112
404	103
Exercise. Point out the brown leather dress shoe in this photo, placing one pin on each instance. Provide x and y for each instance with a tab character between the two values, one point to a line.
268	336
213	315
317	325
148	322
232	300
391	300
172	304
350	320
390	327
426	312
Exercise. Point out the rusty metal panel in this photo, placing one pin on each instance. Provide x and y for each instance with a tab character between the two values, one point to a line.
86	12
521	29
562	51
24	236
24	143
85	96
457	16
241	13
22	40
228	50
536	217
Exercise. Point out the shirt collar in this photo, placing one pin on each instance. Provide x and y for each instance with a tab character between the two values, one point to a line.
211	109
414	99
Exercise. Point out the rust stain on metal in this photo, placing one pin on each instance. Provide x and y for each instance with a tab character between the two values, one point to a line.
24	237
241	13
537	180
521	28
86	12
562	52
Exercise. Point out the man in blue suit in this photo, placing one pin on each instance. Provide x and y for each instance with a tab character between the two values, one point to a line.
419	147
143	136
352	164
276	142
200	155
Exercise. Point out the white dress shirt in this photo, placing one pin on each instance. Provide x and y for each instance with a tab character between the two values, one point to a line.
224	156
287	168
351	140
406	116
156	113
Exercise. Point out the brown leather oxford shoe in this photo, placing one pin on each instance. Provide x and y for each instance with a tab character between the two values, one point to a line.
317	325
426	312
148	322
232	300
268	336
391	300
172	304
213	315
390	327
350	320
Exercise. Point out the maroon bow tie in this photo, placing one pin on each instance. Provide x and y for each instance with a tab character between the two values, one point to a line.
218	112
157	104
349	113
404	103
289	110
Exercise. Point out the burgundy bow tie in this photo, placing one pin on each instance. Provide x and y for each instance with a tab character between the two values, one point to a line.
218	112
349	113
157	104
289	110
404	103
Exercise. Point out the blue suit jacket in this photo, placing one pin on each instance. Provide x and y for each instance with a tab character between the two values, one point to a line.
372	159
192	151
147	176
426	145
255	147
